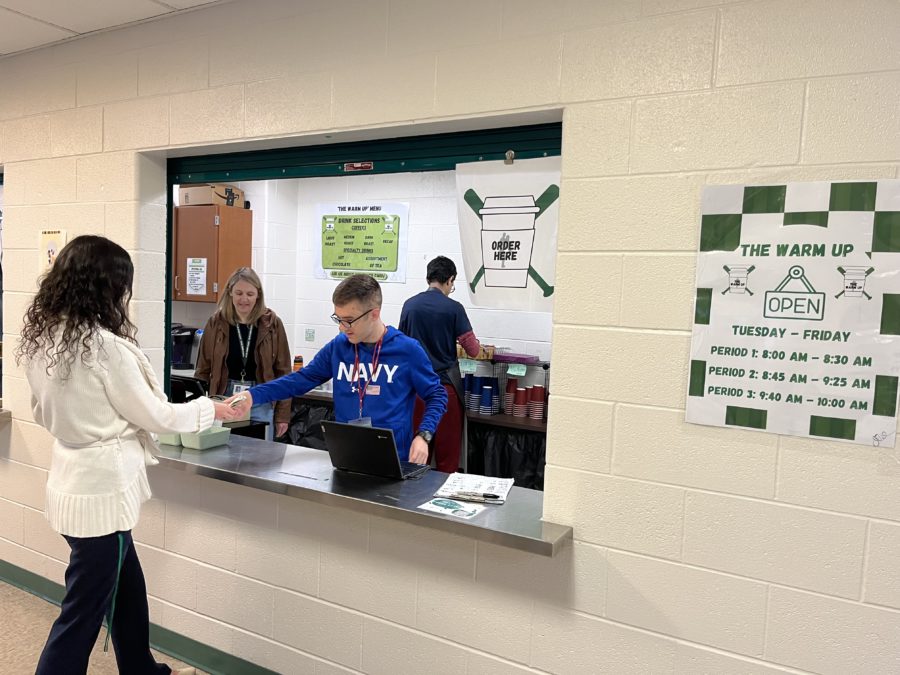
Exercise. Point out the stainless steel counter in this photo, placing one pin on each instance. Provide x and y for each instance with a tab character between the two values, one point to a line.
305	473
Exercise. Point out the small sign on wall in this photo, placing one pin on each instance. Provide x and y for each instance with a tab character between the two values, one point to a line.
51	242
196	276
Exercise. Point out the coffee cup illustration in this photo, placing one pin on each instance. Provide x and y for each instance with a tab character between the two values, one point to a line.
855	281
737	278
507	239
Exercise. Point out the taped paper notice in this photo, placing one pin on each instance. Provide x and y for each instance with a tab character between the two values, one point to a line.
51	243
196	276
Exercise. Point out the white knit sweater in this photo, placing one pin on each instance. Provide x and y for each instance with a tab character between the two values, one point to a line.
99	416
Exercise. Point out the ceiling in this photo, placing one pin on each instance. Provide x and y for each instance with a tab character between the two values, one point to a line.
28	24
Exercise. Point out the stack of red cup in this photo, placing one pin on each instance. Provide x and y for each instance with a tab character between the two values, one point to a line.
520	403
511	385
536	402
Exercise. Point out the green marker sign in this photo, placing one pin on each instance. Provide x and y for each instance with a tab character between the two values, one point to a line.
368	238
516	369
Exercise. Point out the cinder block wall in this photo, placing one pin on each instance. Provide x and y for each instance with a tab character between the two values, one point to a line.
697	549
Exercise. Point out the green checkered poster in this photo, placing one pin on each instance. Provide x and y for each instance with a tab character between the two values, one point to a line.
797	310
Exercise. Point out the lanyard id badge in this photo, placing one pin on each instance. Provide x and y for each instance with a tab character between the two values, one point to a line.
245	351
361	388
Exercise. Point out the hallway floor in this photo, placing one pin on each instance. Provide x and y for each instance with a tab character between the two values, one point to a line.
26	621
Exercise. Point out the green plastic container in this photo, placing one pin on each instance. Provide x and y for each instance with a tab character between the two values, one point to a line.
206	439
170	439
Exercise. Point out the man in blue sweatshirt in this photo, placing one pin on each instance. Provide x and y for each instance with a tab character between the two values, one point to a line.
377	372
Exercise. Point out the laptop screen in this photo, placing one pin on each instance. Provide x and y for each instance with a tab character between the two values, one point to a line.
362	449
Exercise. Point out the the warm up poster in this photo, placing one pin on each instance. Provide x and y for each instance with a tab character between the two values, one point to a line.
366	237
797	316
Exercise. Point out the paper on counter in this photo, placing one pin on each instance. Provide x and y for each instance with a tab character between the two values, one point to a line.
451	507
470	482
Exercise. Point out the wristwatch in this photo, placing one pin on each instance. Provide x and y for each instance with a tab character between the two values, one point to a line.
424	433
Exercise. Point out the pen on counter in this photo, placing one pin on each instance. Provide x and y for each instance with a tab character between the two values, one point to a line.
475	497
486	495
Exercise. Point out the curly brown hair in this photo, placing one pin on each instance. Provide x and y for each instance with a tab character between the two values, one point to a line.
87	288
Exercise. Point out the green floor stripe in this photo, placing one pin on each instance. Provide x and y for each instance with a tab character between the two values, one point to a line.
753	418
190	651
852	196
202	656
818	218
697	382
890	314
31	582
720	232
885	395
886	232
702	306
764	198
832	427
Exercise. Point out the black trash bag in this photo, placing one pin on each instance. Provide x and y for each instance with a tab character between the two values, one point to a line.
304	426
508	453
476	439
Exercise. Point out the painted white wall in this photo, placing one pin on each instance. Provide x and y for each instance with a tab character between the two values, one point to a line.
698	550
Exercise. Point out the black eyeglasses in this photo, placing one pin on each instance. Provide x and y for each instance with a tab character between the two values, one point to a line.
346	323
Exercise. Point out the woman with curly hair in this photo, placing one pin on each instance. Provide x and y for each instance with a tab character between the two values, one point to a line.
94	390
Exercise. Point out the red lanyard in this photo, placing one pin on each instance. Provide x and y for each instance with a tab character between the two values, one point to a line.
361	389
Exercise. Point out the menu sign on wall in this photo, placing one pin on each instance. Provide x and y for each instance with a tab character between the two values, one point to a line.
797	315
368	238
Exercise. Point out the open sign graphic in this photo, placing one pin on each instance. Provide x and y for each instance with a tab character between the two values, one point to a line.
806	305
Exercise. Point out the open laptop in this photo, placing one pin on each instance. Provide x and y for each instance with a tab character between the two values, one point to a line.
369	450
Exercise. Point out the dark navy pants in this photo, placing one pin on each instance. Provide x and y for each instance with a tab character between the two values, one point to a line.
90	585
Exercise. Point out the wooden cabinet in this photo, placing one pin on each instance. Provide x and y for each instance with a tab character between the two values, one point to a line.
211	242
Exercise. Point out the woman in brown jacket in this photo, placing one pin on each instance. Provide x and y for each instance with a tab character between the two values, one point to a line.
244	343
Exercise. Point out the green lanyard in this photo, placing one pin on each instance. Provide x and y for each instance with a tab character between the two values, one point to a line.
245	348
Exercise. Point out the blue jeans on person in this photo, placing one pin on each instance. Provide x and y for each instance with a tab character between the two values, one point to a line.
104	577
263	412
